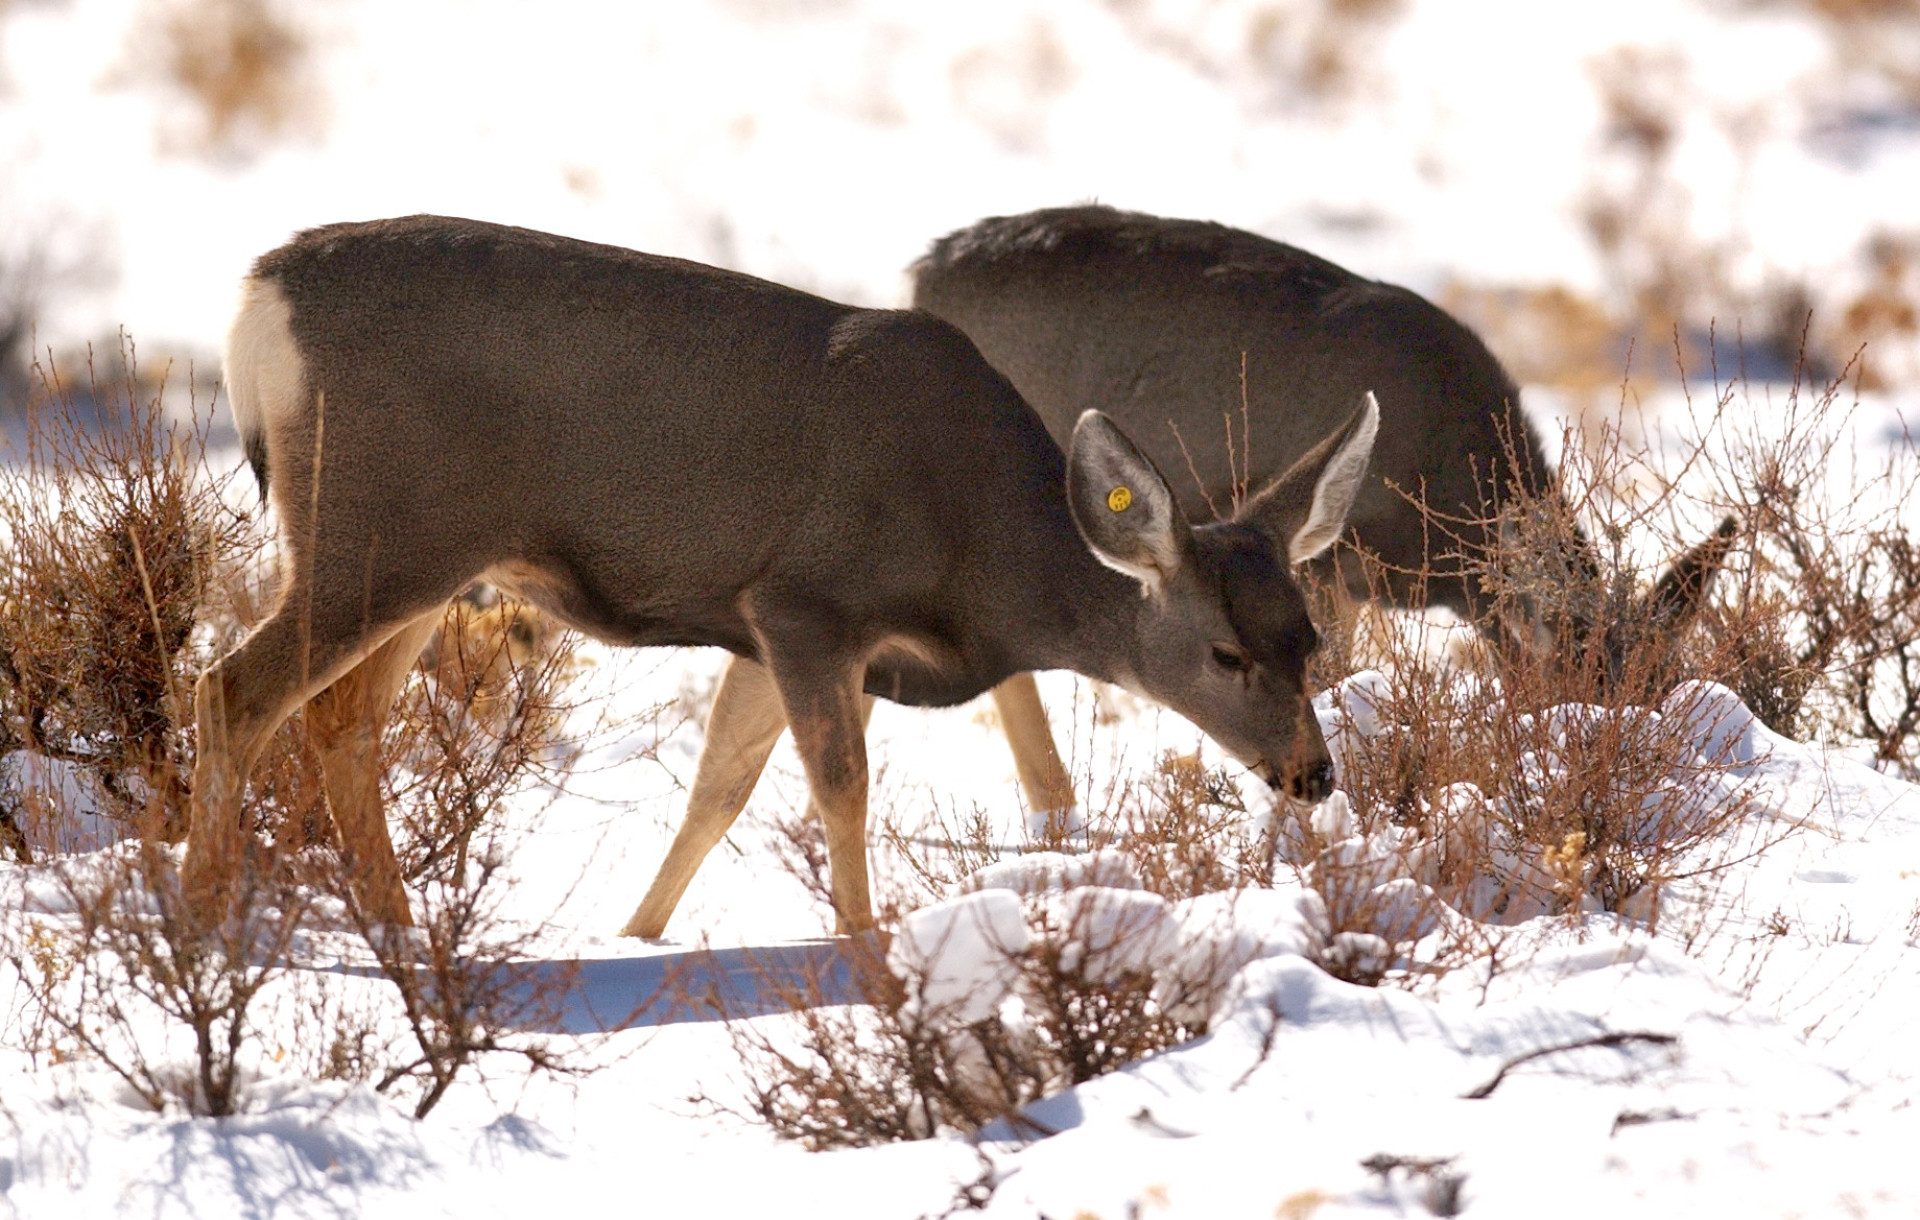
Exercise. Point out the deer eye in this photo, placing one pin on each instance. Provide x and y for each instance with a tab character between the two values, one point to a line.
1231	659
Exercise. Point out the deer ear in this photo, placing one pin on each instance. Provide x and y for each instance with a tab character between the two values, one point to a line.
1122	506
1675	600
1305	509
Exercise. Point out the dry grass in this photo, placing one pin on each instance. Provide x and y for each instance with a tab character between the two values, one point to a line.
480	721
905	1063
242	69
116	533
125	573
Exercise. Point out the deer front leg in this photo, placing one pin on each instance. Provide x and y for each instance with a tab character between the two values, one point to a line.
746	721
828	712
238	702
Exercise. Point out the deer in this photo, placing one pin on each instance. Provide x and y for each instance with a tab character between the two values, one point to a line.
1169	325
852	502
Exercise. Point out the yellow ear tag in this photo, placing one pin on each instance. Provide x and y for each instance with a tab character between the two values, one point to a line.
1119	499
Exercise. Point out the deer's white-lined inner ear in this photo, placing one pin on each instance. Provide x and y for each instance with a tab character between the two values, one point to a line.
1339	483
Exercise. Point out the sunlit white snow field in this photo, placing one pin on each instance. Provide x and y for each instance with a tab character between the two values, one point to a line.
1770	1061
1779	1083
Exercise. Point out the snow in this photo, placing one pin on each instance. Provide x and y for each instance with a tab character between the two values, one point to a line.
960	955
1778	1089
1762	1061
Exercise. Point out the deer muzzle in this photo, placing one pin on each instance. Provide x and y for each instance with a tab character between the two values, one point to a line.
1311	782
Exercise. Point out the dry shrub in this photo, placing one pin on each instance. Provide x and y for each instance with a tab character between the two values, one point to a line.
1880	321
244	69
1091	1001
912	1059
481	720
1819	629
1551	776
115	532
1572	775
1189	832
469	988
128	976
874	1073
125	572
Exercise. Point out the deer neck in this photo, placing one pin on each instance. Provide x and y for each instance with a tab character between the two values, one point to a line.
1066	610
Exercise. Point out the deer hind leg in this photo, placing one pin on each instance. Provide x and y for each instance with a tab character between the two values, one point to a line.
238	702
747	719
1043	779
347	721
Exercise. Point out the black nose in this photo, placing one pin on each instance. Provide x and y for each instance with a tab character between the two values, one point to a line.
1314	784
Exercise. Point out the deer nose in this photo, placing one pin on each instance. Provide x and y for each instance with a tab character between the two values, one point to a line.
1314	783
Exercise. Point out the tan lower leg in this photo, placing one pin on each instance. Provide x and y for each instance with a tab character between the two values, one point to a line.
1043	779
746	721
844	817
216	839
828	729
347	720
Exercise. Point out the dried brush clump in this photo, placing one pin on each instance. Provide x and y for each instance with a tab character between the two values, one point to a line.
973	1015
482	719
126	571
1819	629
1546	769
116	533
244	70
125	974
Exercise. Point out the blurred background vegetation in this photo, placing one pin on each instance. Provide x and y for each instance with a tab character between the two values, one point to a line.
1610	192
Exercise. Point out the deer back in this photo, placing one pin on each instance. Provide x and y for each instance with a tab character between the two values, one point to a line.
1158	321
633	441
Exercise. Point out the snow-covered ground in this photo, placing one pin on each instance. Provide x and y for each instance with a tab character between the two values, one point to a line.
824	143
1777	1082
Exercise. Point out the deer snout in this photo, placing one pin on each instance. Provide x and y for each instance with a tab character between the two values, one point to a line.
1313	782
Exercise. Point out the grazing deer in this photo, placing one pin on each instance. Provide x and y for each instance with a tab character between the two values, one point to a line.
851	501
1164	324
